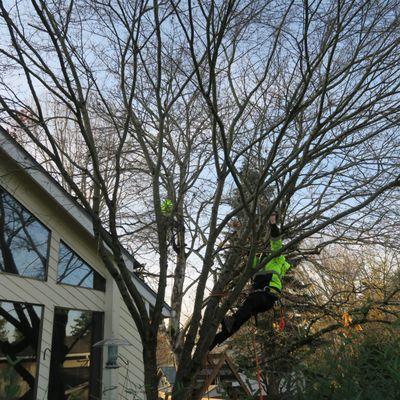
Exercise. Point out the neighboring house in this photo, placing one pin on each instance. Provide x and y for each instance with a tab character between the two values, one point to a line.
167	379
56	297
218	380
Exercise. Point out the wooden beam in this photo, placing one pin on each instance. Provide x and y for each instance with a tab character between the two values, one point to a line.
236	373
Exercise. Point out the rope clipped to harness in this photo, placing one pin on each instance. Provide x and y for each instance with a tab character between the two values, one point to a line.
281	325
282	322
258	364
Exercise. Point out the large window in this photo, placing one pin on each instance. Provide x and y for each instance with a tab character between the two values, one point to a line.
20	325
24	241
75	368
72	270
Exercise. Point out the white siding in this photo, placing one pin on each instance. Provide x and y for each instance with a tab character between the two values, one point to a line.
50	294
130	375
14	288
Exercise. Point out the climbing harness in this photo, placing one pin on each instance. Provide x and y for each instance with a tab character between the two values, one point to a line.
267	289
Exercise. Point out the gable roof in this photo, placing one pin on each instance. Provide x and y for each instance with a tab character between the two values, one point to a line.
169	373
82	218
220	365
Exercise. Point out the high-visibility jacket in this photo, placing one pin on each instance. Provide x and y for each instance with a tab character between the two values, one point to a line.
272	273
167	207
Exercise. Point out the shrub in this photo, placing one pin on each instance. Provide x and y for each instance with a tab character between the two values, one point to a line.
358	368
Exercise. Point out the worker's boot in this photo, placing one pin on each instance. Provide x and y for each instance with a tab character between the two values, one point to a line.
226	324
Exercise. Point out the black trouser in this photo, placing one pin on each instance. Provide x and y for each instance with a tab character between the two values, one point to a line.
254	304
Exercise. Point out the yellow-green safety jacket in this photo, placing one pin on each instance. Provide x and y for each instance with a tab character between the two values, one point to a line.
167	207
271	275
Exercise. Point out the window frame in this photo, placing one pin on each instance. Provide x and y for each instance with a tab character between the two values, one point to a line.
87	263
40	340
98	366
46	271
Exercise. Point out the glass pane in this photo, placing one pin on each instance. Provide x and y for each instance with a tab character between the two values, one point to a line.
75	369
19	340
72	270
23	240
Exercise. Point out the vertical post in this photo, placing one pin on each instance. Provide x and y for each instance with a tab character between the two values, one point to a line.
111	329
44	356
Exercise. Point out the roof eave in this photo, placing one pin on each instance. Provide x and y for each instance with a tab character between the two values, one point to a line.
38	174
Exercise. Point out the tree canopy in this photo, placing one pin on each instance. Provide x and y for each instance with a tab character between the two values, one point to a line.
133	102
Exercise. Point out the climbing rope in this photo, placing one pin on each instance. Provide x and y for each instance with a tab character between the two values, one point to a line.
257	363
281	317
281	327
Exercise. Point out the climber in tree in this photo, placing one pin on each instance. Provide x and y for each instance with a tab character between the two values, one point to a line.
174	224
167	207
266	287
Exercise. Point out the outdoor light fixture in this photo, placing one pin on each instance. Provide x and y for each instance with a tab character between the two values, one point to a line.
112	345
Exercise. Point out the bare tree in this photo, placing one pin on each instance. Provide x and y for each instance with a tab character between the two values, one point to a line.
347	291
190	91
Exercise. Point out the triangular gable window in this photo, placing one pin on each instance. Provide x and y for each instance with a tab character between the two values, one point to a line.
72	270
24	240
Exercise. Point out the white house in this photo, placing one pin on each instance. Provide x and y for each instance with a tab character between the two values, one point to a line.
56	298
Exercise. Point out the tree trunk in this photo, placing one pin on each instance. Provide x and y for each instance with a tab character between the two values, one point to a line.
178	287
185	383
150	368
